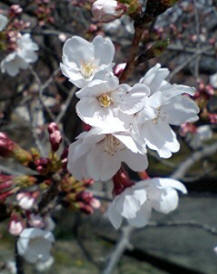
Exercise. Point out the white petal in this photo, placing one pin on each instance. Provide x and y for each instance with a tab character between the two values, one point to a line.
74	75
133	100
3	22
142	217
154	77
101	165
167	182
78	50
160	137
103	49
169	91
128	141
114	216
181	110
135	161
168	201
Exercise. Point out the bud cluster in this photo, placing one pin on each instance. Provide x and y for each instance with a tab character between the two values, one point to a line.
44	11
29	198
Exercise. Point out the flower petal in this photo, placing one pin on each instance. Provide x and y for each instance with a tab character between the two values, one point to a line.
103	49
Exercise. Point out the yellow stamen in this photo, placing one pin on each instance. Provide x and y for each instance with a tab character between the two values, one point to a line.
87	70
105	100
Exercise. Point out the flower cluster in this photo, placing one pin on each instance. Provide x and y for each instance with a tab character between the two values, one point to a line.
20	49
125	120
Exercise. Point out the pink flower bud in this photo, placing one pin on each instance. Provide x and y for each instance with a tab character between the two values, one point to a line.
55	140
187	128
119	69
55	136
86	208
6	145
16	225
52	127
95	203
6	181
15	10
105	11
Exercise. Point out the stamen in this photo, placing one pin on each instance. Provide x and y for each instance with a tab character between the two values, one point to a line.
155	120
105	100
112	144
87	69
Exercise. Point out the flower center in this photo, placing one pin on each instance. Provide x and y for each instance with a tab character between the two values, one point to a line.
158	112
112	144
87	69
105	100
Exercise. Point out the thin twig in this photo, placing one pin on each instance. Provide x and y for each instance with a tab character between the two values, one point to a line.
187	61
119	249
208	150
66	105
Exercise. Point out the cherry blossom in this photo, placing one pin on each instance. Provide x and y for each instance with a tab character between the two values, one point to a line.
135	203
98	154
25	200
105	11
84	61
165	106
21	57
34	245
102	100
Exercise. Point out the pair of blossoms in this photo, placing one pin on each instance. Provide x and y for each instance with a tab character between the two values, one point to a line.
125	120
23	55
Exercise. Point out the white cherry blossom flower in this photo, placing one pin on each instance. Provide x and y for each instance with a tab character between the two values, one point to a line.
105	11
16	226
136	203
84	61
102	100
25	200
34	245
21	57
98	154
165	106
3	22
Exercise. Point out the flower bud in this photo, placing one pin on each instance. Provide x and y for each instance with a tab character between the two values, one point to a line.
6	145
55	136
6	181
119	69
25	200
105	11
86	208
10	149
15	10
16	225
